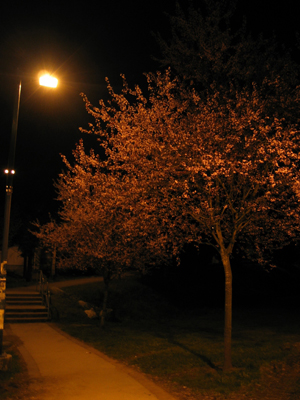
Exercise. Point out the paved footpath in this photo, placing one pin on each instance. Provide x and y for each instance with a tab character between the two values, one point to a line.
63	368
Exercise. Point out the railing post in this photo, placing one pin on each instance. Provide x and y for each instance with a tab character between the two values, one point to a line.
44	291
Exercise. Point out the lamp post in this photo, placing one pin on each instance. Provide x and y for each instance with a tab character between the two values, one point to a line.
44	80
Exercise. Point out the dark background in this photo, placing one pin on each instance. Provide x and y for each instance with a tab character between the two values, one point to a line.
82	44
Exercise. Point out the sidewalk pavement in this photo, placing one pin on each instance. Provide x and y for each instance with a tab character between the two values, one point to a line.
61	367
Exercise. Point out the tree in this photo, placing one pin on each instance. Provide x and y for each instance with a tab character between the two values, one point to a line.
212	45
178	168
95	227
213	171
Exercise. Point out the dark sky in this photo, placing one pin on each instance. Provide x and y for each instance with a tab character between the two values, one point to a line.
82	44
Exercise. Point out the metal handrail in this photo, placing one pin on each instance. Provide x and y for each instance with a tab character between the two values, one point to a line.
43	288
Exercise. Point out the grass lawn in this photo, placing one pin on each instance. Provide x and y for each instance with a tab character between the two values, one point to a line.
182	349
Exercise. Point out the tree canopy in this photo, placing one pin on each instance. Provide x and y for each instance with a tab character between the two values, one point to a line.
210	43
180	169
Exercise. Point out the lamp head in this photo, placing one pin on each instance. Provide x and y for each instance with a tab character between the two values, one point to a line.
48	80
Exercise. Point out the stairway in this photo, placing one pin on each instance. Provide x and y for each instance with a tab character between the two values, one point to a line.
25	307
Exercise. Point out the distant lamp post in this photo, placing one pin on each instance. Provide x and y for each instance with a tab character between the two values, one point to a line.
44	80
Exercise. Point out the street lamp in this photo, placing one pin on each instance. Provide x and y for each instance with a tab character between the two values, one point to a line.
48	80
44	80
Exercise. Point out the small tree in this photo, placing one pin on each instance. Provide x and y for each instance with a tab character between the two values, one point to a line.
96	223
211	171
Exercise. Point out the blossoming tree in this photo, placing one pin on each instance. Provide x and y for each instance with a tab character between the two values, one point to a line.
213	171
180	168
96	223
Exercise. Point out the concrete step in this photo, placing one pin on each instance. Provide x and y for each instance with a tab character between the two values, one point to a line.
13	297
28	300
22	294
24	302
25	307
29	318
26	313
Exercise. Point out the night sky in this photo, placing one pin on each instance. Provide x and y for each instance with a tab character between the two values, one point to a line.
82	44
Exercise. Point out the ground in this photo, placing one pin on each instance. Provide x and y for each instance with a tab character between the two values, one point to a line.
275	383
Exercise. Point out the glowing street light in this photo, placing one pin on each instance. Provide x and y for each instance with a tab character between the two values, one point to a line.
48	80
45	80
7	171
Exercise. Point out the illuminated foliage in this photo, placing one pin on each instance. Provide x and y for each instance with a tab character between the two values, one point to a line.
179	169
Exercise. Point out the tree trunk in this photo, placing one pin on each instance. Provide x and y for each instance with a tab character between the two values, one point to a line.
25	266
106	280
228	311
53	262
